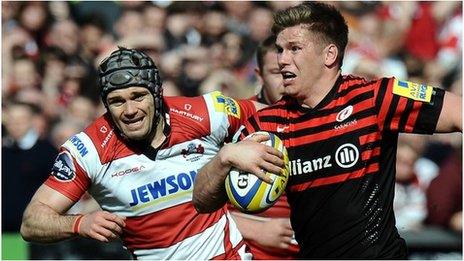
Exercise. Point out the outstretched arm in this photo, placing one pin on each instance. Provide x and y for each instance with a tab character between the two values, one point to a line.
248	155
450	119
44	220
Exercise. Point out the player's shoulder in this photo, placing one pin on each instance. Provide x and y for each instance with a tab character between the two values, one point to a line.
347	81
209	105
182	105
353	83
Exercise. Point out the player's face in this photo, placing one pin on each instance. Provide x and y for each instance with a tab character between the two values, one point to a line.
132	110
300	59
271	77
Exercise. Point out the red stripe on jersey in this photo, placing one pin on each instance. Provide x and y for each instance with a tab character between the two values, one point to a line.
365	155
231	253
307	139
373	168
413	117
368	138
350	80
167	227
394	125
351	95
73	189
227	244
386	102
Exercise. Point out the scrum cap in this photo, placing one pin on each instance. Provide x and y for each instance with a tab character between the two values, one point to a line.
127	68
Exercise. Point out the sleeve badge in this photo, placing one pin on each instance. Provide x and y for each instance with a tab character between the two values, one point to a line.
411	90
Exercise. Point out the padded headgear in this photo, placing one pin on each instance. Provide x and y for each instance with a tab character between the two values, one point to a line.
127	68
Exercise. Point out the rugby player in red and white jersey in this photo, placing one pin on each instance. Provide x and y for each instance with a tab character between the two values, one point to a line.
139	161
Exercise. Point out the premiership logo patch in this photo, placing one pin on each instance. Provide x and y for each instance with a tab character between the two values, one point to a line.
226	104
411	90
63	169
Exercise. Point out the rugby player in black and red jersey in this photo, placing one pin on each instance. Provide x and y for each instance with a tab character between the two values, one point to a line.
341	134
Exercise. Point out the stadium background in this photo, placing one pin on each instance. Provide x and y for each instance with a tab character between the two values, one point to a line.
50	51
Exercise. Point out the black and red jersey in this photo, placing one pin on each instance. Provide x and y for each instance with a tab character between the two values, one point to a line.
342	160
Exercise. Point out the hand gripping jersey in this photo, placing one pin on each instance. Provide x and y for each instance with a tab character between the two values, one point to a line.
342	163
154	189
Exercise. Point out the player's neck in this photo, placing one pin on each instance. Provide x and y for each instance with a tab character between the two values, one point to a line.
319	90
160	136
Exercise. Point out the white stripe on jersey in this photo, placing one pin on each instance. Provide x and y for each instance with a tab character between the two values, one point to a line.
183	250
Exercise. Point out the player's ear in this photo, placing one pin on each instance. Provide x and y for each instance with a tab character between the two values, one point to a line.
331	53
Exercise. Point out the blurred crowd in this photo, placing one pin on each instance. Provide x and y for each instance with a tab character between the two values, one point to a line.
50	51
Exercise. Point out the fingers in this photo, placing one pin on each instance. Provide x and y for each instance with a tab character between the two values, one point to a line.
269	167
101	232
272	164
261	174
113	227
259	138
102	226
120	220
113	223
275	152
97	236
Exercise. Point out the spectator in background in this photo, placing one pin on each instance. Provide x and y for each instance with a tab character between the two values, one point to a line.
259	23
237	15
269	234
63	130
24	76
81	110
26	162
14	46
444	195
35	17
65	35
80	74
129	23
178	23
214	27
375	40
155	18
93	37
227	83
410	202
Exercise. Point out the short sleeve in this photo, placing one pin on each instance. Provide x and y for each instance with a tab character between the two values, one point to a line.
237	111
409	107
67	177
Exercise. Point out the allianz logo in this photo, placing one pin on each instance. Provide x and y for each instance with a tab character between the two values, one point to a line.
346	156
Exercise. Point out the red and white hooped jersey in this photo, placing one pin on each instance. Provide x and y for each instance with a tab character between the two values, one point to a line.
154	189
